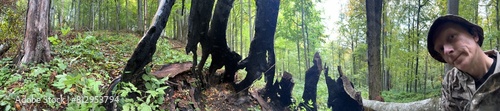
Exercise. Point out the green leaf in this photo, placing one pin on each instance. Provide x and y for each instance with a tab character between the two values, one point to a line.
145	107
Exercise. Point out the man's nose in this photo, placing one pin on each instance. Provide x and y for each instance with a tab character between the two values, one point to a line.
448	49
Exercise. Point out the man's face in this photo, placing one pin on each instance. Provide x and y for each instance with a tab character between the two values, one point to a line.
456	45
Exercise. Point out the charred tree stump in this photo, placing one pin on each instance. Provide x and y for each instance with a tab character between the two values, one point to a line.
310	86
341	94
199	18
285	89
144	51
280	100
262	44
221	54
332	87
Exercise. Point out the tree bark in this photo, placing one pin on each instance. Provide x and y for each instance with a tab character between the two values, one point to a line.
117	3
263	44
35	47
373	38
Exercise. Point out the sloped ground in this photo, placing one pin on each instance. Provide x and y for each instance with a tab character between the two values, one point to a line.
85	64
216	97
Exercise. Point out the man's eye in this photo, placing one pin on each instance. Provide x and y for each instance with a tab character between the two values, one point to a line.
452	36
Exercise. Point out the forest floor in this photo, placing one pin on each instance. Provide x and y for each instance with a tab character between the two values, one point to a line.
85	63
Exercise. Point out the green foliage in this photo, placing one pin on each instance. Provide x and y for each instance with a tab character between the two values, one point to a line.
153	97
404	97
166	54
65	30
54	40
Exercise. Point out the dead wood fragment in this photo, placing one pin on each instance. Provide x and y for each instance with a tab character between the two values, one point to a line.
171	70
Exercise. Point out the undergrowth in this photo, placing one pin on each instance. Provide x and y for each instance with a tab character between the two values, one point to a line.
83	66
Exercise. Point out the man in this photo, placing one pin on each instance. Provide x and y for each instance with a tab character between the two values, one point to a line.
474	82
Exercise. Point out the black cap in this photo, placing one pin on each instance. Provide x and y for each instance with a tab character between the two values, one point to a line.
472	28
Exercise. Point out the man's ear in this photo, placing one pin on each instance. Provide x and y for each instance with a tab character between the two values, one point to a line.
476	38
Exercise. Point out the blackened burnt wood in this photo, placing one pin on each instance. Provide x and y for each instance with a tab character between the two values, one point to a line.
332	88
262	44
286	87
144	51
310	86
199	18
221	54
346	98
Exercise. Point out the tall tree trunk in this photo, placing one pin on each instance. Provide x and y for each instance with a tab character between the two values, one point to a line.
241	27
117	20
498	24
145	21
425	76
250	19
100	14
303	27
92	19
298	58
127	26
373	38
35	47
452	9
78	20
72	13
140	17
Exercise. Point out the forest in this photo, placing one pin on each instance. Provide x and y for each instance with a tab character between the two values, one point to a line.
110	55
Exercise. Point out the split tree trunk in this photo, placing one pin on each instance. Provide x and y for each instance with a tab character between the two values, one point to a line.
199	18
35	46
221	54
261	46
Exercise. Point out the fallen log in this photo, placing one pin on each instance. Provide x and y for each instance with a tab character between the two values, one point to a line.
171	70
431	104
